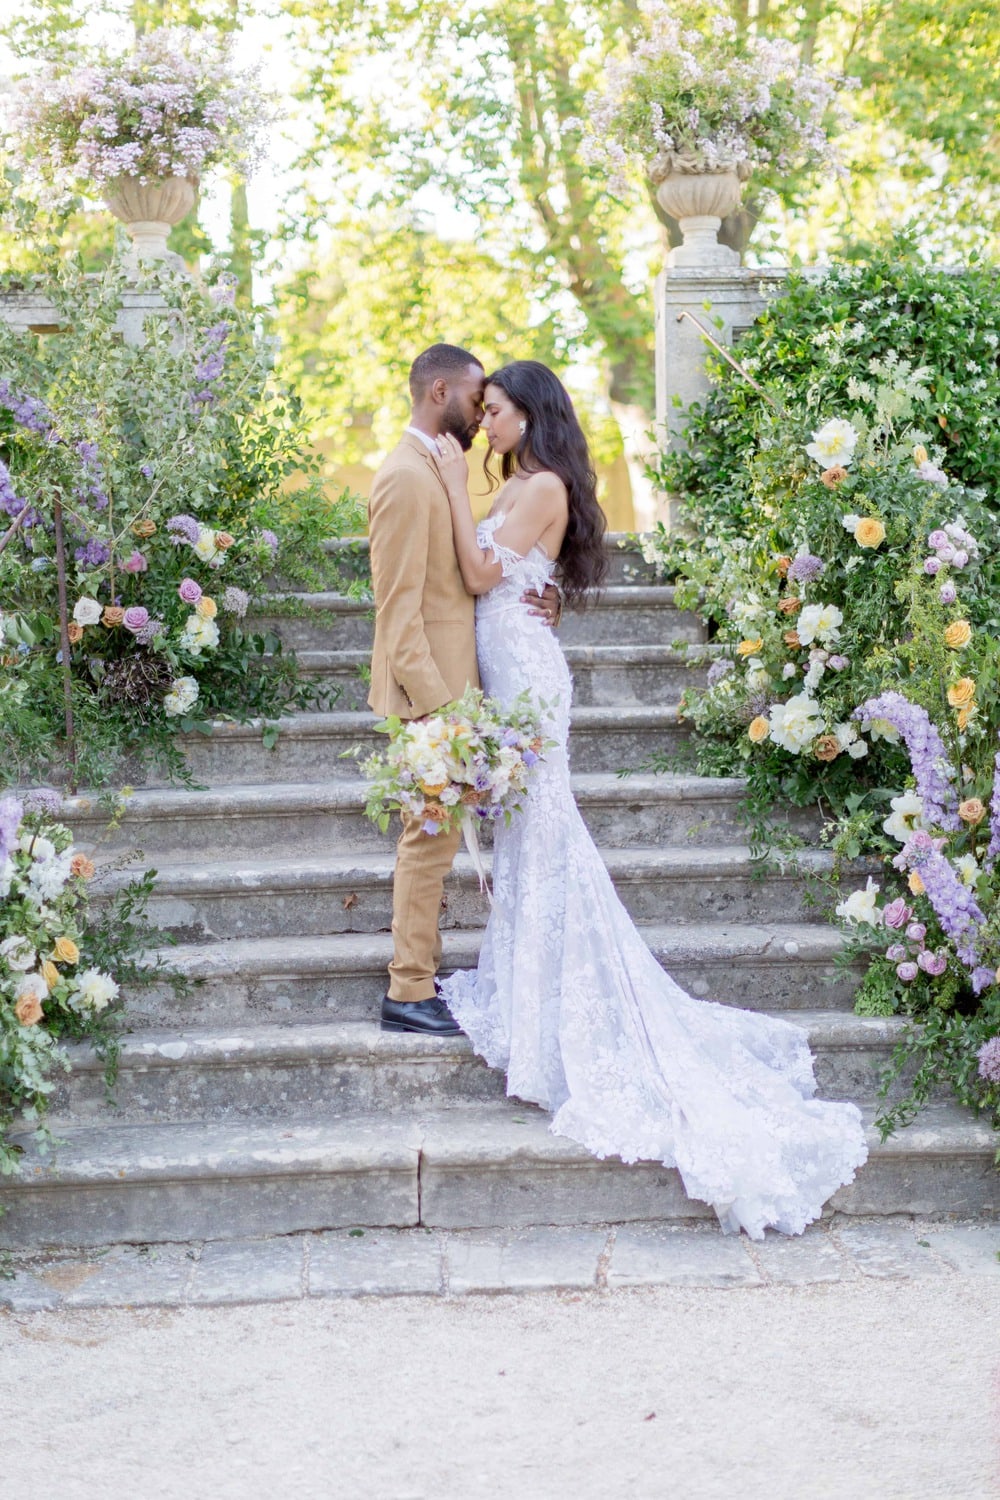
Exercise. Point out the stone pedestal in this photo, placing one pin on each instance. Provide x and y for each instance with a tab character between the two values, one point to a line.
725	301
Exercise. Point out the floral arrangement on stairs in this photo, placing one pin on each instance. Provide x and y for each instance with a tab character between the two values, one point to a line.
143	489
61	963
851	583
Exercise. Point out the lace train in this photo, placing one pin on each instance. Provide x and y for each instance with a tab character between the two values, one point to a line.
568	999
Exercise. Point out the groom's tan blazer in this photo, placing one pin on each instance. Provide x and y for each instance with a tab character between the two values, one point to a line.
424	652
424	655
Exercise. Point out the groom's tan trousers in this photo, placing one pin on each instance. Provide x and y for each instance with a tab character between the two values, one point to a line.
424	655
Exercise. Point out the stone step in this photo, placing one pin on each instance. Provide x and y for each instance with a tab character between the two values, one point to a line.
272	1071
327	893
328	816
773	966
623	614
318	746
493	1164
608	676
626	562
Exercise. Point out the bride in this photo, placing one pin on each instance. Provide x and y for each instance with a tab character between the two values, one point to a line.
567	997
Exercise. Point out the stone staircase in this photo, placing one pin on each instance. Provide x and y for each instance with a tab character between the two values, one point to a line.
268	1101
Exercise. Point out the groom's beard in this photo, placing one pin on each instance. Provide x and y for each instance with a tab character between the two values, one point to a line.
454	423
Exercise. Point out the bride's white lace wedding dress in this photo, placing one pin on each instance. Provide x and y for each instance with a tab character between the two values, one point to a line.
570	1001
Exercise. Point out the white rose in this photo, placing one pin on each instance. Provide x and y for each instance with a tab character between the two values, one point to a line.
47	878
18	952
813	675
819	622
205	547
860	906
858	749
86	611
796	724
846	734
199	635
182	695
31	984
906	816
94	990
834	443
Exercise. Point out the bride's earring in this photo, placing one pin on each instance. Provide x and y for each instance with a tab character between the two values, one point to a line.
522	428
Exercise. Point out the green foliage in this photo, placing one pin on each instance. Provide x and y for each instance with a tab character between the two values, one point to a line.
812	351
189	424
63	959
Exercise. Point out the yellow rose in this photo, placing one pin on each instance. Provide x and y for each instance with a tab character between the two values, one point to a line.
207	608
759	729
915	883
65	950
962	692
972	810
50	973
958	634
432	788
869	532
919	454
750	648
964	715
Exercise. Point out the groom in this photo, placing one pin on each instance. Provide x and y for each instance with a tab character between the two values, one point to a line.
424	653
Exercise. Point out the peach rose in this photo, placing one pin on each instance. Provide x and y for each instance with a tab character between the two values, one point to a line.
782	564
112	616
834	475
790	605
919	455
791	638
49	972
759	729
962	692
826	747
972	810
74	632
82	867
958	634
869	532
28	1009
223	540
964	715
206	608
915	883
64	948
144	528
750	648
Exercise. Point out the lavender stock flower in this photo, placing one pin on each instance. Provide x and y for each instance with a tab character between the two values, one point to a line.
989	1060
934	775
804	568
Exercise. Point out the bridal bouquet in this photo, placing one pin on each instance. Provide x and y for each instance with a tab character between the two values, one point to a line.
468	762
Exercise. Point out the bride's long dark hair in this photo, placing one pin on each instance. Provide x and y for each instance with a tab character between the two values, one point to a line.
553	441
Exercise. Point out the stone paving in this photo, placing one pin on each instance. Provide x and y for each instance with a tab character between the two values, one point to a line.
450	1264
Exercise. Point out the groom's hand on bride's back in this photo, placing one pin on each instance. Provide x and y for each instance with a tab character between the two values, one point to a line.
548	605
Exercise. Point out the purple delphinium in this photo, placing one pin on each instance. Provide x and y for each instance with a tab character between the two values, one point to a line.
94	555
934	775
989	1060
271	541
29	412
804	568
954	904
11	813
183	529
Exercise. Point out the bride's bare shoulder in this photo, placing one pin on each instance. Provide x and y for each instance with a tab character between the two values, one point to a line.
544	488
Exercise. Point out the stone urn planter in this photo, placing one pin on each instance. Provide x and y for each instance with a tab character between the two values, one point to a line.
149	210
699	201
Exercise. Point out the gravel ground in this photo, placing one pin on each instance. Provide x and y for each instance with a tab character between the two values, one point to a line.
878	1389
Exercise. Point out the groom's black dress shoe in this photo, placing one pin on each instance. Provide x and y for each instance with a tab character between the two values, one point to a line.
429	1017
